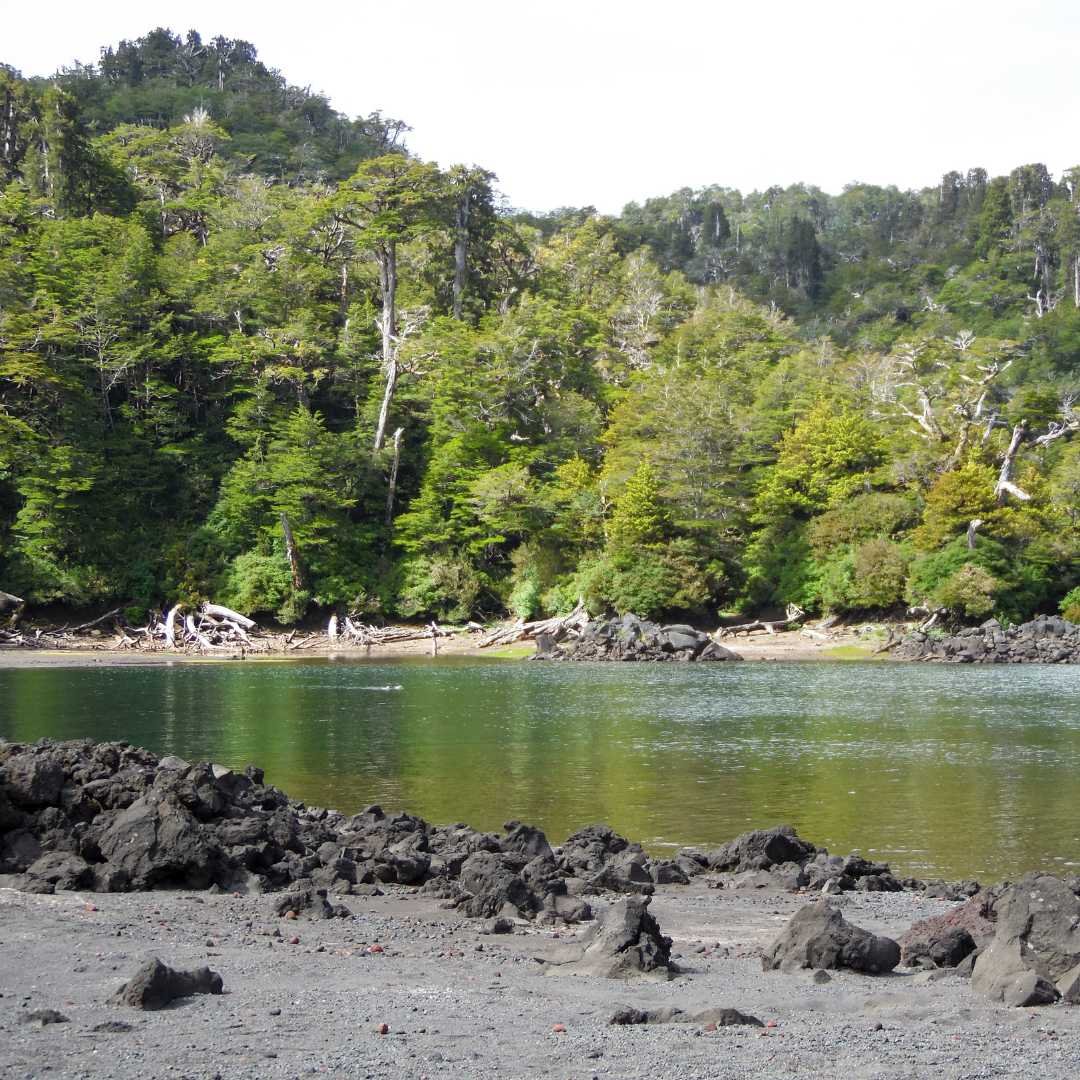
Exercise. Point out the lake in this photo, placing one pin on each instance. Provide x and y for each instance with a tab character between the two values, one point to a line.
952	771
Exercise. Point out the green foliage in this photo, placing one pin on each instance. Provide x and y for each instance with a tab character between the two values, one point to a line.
651	580
970	591
1070	605
638	517
214	288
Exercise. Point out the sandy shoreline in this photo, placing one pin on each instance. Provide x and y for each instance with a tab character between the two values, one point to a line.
782	646
461	1004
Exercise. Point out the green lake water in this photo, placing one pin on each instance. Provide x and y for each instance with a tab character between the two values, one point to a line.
943	771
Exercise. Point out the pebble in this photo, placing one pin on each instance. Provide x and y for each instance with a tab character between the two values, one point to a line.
383	1029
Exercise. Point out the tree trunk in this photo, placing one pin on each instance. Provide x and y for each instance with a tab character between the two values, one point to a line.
290	553
227	613
388	284
461	252
392	488
1005	486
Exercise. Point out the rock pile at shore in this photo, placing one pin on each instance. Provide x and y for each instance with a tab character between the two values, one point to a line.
1047	639
112	818
109	817
631	638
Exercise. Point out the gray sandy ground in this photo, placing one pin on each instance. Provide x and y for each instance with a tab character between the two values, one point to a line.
461	1004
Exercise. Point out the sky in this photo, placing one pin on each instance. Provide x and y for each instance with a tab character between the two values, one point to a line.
603	102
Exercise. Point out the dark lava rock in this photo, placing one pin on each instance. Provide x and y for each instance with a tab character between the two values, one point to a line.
632	638
626	1015
156	984
818	936
490	882
946	949
313	901
624	943
1042	640
761	850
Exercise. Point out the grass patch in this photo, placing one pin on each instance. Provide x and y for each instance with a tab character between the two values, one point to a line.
849	652
513	652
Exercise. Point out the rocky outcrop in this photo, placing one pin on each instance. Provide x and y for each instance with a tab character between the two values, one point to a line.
818	936
1046	639
109	817
631	638
779	858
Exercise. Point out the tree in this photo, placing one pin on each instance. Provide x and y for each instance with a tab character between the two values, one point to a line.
388	200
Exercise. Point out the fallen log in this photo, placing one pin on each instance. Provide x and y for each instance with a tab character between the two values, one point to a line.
794	614
227	614
556	628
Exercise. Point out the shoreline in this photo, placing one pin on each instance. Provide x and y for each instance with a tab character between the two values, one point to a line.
390	977
783	646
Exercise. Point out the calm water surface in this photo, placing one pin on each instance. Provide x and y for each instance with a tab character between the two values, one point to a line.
953	771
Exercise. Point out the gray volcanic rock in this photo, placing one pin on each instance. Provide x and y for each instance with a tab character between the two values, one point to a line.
624	943
818	936
626	1015
155	984
1046	639
632	638
1036	943
761	850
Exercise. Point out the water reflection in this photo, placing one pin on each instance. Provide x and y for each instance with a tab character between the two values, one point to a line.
952	771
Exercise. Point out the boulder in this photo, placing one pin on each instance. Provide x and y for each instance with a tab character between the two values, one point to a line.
156	842
58	870
490	883
931	937
625	943
1036	943
818	936
155	984
761	849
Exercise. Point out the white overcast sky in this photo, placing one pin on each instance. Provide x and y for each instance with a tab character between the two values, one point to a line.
605	101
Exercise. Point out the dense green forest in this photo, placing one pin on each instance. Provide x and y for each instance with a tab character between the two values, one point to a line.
230	315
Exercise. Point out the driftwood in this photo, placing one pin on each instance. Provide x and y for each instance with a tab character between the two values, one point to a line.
362	634
794	614
556	628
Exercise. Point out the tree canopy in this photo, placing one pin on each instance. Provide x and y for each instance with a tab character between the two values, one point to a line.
225	307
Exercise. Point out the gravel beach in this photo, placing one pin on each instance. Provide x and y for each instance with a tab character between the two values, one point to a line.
460	1003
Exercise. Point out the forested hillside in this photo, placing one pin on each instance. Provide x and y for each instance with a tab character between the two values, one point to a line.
252	349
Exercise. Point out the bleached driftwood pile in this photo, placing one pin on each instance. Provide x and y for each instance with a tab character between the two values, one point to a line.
348	632
558	628
210	628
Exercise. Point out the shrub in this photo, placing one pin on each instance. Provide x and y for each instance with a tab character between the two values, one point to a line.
970	591
445	585
648	581
255	582
879	573
1070	606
